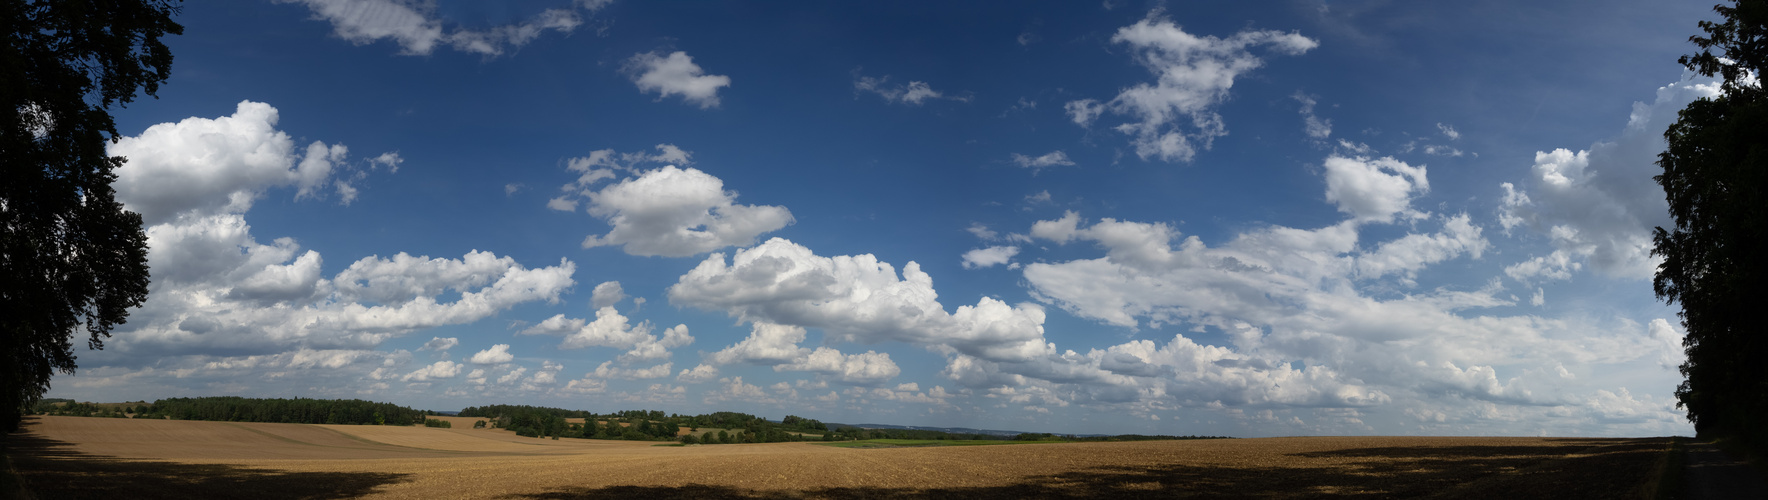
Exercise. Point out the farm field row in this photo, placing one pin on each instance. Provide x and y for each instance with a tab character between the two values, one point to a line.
74	457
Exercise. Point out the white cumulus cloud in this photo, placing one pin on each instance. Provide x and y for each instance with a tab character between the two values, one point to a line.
673	212
496	355
855	298
1374	189
606	295
1599	205
439	370
1175	116
675	74
988	257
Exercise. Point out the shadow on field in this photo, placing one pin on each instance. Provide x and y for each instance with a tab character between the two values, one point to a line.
51	469
1610	468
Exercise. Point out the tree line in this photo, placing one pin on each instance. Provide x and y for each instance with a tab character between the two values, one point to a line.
238	409
1715	178
648	425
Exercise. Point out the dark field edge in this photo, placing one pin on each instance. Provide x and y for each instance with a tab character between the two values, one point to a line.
11	486
1738	450
1669	482
52	469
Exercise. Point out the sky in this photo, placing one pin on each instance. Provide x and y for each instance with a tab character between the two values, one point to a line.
1293	218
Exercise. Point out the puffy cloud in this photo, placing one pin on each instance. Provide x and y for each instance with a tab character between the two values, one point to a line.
439	370
602	164
281	282
767	343
212	276
735	389
865	368
1599	205
1374	190
195	179
610	329
606	295
675	74
217	288
777	345
855	298
1554	266
991	256
404	278
547	375
1301	331
1060	230
1412	252
652	349
1051	159
201	167
673	212
1193	75
417	31
914	93
698	374
496	355
440	344
513	375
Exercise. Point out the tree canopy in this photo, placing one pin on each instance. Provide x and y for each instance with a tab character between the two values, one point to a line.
1715	178
70	256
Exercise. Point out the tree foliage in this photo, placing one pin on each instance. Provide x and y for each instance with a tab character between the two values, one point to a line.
70	256
1715	179
292	411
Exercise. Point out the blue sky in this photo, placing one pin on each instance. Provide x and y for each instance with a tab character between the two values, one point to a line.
1287	219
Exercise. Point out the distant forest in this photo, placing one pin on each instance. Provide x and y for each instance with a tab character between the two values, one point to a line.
238	409
535	421
538	421
649	425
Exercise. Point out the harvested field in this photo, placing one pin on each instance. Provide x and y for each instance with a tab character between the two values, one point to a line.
74	457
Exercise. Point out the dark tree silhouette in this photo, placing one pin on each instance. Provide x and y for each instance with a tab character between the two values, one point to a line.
1716	181
70	256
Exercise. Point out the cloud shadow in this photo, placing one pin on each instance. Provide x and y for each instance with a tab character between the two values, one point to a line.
54	469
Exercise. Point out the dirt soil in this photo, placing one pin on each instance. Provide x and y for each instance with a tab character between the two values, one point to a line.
75	457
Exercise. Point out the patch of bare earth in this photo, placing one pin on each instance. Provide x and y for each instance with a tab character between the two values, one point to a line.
58	462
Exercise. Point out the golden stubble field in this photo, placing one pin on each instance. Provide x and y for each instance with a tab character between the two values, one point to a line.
77	457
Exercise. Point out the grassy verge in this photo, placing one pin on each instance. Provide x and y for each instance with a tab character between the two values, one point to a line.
11	485
1668	484
908	443
1737	450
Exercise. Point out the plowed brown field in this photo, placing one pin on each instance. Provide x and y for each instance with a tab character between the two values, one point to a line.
74	457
